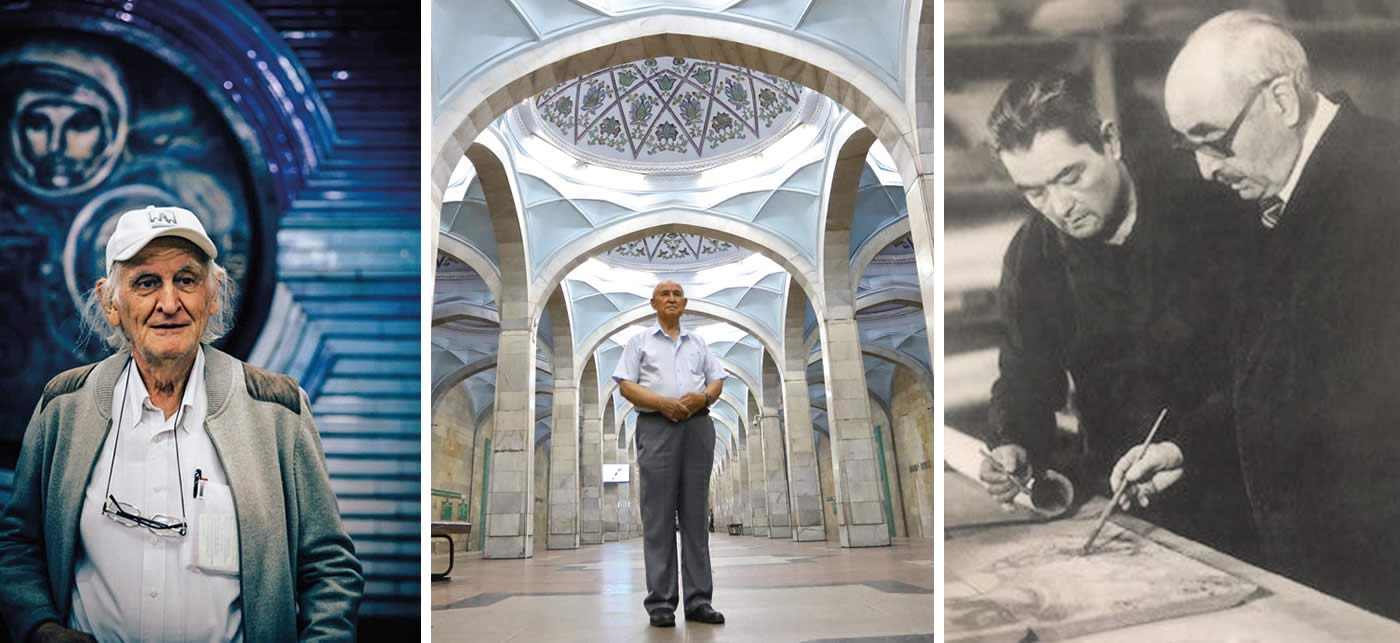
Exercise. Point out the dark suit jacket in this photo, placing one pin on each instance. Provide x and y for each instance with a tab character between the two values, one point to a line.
1316	353
1138	327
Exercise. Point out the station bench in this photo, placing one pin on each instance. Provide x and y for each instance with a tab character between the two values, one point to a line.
445	529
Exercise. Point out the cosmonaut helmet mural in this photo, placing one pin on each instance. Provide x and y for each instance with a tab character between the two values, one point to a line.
93	127
66	114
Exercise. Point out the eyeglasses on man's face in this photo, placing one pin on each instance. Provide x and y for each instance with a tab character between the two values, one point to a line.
129	516
1221	147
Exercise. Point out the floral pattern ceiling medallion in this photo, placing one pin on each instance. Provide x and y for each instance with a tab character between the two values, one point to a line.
669	111
674	250
900	250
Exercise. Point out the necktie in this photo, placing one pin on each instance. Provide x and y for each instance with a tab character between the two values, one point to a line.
1270	210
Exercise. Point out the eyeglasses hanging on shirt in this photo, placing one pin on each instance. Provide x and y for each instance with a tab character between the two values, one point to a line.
127	515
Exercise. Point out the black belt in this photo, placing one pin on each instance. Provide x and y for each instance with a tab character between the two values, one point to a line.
701	412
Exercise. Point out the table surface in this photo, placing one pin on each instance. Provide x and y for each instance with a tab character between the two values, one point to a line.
1283	611
451	527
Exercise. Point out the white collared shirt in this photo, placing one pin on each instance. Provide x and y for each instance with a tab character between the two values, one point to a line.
1125	227
131	585
1326	112
667	367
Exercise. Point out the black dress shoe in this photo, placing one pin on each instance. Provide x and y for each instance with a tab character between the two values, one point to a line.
662	617
705	614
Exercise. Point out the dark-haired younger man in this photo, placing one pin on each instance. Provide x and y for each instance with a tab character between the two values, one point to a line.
1116	291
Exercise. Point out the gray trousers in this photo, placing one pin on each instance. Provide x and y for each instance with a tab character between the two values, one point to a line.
674	461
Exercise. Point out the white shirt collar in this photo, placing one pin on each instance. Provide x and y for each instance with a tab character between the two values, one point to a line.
1326	112
193	403
657	329
1125	227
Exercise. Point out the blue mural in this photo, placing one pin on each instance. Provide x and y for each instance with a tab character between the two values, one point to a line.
93	128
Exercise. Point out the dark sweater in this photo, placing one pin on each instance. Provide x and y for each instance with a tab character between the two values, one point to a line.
1138	327
1317	369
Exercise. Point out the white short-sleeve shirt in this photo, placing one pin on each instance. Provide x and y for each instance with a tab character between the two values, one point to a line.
667	367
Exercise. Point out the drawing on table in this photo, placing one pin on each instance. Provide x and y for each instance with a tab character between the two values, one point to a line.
1037	574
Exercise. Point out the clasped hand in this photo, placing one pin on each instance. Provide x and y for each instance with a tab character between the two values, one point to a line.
680	409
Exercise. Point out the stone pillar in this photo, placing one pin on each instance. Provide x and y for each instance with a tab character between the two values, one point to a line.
833	521
564	468
741	465
629	455
562	530
714	499
919	198
779	522
624	490
803	482
758	477
609	489
636	489
541	499
852	440
485	432
510	506
722	500
590	460
736	486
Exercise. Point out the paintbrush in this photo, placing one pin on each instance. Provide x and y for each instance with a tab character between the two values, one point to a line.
1118	495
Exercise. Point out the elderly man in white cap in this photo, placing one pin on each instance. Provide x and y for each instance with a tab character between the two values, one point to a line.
170	491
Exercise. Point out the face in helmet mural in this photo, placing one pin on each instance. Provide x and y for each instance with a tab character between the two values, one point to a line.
69	120
93	128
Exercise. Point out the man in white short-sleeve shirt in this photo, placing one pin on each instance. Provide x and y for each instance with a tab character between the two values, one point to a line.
672	378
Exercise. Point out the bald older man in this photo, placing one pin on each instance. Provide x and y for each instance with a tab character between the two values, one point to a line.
1315	333
672	378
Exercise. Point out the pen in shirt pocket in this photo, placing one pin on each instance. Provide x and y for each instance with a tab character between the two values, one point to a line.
199	480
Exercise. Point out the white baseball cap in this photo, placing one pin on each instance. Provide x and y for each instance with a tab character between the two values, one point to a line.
137	228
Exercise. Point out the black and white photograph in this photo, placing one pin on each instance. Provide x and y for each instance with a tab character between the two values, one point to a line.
1171	366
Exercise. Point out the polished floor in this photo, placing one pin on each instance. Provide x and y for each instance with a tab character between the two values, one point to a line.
769	590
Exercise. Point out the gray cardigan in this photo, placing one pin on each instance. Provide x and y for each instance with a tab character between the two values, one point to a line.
299	576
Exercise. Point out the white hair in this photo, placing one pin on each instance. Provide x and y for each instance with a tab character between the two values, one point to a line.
97	300
1261	46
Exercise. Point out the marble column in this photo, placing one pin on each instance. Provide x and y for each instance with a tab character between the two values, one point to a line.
485	433
609	489
590	461
741	465
758	478
635	487
919	197
624	492
779	521
562	530
724	499
510	506
564	469
541	499
854	465
804	485
736	486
